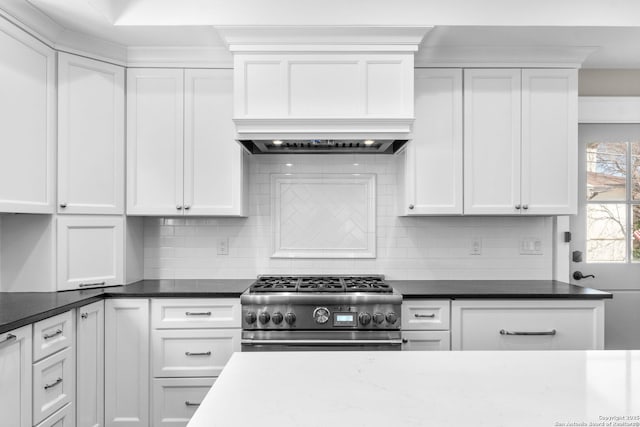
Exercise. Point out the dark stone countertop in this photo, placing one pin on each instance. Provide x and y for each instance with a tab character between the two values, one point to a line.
22	308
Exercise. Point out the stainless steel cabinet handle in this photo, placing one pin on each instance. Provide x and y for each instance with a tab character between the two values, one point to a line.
411	206
187	403
86	285
179	207
432	315
63	205
9	337
53	384
188	353
196	313
55	334
505	332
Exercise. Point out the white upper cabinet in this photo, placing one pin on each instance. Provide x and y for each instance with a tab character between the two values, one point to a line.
91	136
492	141
154	141
431	165
27	123
520	148
182	157
549	141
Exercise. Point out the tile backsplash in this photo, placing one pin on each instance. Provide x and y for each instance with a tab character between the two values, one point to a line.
407	247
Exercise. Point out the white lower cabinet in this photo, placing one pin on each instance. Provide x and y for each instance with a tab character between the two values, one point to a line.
425	340
54	384
176	399
15	377
425	325
63	418
90	365
527	325
127	362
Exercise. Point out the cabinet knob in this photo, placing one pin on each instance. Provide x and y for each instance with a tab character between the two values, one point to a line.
411	206
187	207
525	206
518	206
63	205
179	207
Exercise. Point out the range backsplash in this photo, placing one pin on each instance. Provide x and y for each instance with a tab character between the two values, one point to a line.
407	248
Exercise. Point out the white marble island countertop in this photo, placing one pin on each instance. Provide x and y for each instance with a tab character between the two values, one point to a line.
489	388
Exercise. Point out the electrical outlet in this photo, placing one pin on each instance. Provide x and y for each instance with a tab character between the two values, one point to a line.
223	246
476	246
530	246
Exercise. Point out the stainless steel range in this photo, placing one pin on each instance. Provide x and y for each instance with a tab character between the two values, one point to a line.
284	313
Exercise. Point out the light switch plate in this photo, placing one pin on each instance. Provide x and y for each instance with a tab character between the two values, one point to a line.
531	246
476	246
223	246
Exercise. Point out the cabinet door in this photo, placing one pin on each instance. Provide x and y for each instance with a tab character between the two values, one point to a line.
90	365
425	341
154	141
549	141
63	418
214	170
90	136
176	399
90	252
54	383
15	377
126	362
27	123
492	141
434	156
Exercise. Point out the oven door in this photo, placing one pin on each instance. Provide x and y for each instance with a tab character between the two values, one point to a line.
321	340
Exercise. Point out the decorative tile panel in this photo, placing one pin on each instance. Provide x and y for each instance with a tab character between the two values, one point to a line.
324	215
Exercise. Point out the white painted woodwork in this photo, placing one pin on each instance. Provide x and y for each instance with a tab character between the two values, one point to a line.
609	109
426	341
90	136
90	251
549	141
155	141
15	377
134	249
425	314
193	353
191	313
54	383
214	163
52	334
27	108
63	418
90	365
127	362
176	399
28	253
433	158
492	141
476	324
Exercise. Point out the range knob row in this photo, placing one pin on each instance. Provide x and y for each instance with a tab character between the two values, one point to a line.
264	317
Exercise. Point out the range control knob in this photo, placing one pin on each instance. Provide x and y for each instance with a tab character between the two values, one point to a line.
290	318
250	317
378	318
321	315
264	317
277	317
392	317
364	318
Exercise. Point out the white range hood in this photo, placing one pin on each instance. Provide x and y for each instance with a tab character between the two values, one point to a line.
323	89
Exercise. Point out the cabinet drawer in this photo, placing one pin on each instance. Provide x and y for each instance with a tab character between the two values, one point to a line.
193	353
63	418
527	325
195	313
52	334
53	384
176	399
425	314
425	341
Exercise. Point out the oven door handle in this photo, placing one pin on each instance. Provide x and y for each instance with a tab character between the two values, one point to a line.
320	342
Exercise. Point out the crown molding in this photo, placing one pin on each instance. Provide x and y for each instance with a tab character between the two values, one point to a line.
503	56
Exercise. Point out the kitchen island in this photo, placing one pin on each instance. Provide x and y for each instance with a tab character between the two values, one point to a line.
490	388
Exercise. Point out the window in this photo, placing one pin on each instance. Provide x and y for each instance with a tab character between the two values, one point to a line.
613	201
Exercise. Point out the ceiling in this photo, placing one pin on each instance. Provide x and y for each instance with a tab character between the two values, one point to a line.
610	29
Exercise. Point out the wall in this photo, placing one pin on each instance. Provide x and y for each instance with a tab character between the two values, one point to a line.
407	248
602	82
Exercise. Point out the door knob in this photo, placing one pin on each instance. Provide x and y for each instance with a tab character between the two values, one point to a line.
577	275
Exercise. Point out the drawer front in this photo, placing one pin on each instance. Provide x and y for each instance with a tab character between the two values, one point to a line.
53	384
193	353
52	335
195	313
527	325
176	399
425	341
425	314
63	418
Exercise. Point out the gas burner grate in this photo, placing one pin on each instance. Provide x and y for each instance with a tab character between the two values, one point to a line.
275	284
320	284
366	284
